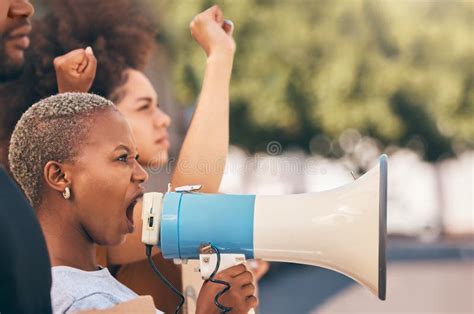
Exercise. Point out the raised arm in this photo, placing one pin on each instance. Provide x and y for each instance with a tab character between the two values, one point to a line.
202	156
204	151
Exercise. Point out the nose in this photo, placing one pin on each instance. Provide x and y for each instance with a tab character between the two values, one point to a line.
161	119
21	8
139	174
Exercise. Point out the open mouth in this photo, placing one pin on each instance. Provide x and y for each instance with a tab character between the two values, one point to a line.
129	212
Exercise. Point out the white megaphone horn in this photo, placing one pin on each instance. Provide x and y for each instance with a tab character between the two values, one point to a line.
342	229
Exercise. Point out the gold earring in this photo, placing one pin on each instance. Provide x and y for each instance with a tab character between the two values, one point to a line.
67	193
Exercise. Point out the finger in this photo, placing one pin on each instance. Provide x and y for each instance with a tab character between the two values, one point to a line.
260	268
228	27
84	63
74	58
219	15
82	66
89	51
58	61
233	271
244	279
248	290
215	13
251	301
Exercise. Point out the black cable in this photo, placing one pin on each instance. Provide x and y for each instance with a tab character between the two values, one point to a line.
163	278
223	308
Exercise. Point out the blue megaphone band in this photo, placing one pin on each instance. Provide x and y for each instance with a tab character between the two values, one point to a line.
191	219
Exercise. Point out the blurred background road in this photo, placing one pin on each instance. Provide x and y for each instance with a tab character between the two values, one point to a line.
421	278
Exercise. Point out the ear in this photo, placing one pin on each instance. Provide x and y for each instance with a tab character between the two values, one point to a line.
57	176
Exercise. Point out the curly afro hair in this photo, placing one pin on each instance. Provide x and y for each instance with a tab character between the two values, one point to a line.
121	33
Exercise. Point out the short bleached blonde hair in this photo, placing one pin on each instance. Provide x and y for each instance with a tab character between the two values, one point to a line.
50	130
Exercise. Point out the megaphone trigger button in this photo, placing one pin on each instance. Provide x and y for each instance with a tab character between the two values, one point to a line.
188	188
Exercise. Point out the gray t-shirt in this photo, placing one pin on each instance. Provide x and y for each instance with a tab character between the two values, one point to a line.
76	290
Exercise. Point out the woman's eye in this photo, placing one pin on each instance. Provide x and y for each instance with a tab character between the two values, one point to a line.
123	158
145	107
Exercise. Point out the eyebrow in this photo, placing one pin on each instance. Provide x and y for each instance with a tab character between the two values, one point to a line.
125	147
149	99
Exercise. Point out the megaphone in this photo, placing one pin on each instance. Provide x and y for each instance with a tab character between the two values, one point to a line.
342	229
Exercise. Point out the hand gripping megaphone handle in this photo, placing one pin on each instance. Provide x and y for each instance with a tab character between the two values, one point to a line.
208	263
151	216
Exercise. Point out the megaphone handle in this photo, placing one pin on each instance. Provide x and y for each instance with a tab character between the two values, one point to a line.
208	262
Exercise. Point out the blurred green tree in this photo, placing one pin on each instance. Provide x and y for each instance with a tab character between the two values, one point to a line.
393	70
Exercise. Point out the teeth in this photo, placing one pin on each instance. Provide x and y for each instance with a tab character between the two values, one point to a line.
133	203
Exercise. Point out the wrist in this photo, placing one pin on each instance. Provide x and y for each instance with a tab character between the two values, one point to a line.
211	309
222	62
221	54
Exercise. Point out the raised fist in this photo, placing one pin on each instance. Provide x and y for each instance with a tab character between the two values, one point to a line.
212	32
75	71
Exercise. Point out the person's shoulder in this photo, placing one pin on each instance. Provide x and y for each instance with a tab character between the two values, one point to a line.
72	287
75	289
61	299
93	301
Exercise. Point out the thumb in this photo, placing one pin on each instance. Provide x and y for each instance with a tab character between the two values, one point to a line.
89	51
228	27
91	68
83	64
